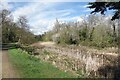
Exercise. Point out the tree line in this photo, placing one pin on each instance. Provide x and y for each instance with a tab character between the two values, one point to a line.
94	30
15	32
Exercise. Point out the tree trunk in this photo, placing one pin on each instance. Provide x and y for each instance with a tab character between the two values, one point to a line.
91	34
114	34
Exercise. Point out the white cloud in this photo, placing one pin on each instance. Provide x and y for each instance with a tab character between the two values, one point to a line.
78	18
85	6
42	26
50	0
88	10
27	10
67	19
5	5
40	17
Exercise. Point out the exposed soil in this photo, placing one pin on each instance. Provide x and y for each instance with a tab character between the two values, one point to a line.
8	71
0	64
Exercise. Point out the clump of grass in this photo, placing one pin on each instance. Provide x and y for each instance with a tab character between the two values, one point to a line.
46	52
31	67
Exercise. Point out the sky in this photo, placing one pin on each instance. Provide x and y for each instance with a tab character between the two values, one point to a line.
42	15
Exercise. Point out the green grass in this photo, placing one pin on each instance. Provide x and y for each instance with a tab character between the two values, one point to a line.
31	67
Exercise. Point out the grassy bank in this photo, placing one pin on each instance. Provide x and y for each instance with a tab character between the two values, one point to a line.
31	67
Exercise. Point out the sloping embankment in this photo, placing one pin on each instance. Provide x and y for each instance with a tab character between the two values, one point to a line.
90	62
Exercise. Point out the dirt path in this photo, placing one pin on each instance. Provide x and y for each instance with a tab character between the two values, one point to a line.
0	64
7	69
46	44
